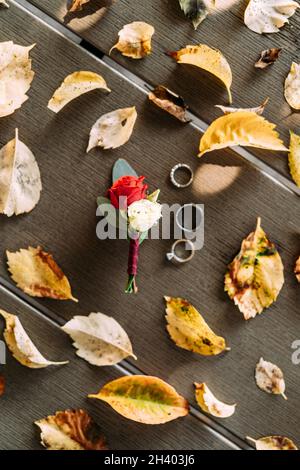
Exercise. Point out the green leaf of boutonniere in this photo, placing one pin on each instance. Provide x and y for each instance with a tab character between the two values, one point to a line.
122	168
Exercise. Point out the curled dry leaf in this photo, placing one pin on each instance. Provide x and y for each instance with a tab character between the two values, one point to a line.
21	346
71	430
144	399
258	110
210	404
294	157
169	102
20	179
74	85
2	385
208	59
195	10
269	378
37	274
241	128
273	443
15	76
297	269
189	330
77	5
292	87
113	129
255	276
267	16
99	339
135	40
267	57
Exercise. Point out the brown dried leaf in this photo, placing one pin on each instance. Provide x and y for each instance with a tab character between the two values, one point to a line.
267	57
16	76
169	102
269	378
258	109
99	339
135	40
268	16
297	269
2	385
20	179
37	274
273	443
71	430
77	5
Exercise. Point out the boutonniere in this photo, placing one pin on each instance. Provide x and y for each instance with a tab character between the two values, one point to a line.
140	210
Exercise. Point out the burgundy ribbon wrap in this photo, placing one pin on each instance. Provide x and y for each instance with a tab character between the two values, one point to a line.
133	257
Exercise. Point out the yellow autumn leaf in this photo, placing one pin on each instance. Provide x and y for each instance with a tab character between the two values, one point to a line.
21	346
135	40
144	399
189	330
209	59
294	157
210	404
255	276
273	443
292	86
37	274
74	85
243	128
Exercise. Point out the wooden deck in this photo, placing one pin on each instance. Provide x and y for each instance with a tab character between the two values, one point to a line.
232	188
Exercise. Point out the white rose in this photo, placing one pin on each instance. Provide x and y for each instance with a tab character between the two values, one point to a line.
143	214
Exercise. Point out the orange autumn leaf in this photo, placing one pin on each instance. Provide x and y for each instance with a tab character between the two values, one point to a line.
71	430
77	5
37	274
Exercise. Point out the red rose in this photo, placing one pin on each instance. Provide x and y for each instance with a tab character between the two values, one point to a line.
131	187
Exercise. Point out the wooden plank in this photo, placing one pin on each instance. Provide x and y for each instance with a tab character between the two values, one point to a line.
33	394
234	194
224	30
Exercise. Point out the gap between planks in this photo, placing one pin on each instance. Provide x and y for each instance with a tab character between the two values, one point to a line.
197	123
125	368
